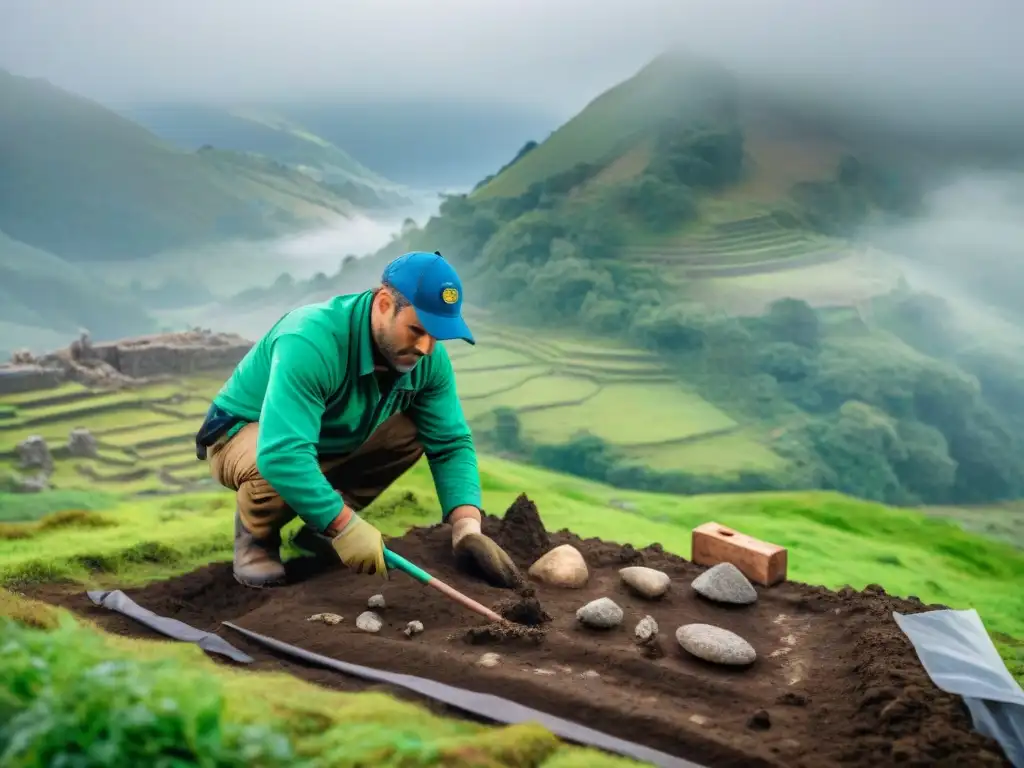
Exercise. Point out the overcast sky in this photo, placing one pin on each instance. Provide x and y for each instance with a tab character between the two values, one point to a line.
551	54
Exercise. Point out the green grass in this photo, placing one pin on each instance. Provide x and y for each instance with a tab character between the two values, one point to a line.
475	384
1002	521
535	393
909	553
16	507
712	455
27	399
631	414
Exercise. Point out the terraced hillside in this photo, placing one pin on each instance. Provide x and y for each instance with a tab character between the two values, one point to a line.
558	387
740	247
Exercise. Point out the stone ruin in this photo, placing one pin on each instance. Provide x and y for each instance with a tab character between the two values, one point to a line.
125	362
36	464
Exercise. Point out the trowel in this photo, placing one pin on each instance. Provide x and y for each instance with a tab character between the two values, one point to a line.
313	542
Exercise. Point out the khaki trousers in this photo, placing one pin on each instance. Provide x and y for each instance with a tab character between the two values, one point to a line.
360	476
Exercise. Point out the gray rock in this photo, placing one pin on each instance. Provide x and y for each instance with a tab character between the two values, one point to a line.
82	444
27	484
646	629
602	613
34	453
715	644
368	621
646	582
413	628
725	583
376	602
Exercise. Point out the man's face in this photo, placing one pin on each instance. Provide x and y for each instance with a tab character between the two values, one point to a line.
399	336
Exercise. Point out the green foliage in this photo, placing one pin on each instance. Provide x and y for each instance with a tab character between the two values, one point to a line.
68	701
842	204
705	157
660	205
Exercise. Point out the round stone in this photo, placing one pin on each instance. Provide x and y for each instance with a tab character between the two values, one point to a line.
646	582
368	621
714	644
563	566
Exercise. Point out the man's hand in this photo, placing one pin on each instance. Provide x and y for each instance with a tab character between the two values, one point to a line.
469	544
359	544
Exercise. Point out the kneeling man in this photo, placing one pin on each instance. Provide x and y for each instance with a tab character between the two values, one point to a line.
331	406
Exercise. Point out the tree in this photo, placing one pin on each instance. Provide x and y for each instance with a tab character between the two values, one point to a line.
793	320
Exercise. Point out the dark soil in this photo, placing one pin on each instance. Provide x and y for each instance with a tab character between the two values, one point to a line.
836	683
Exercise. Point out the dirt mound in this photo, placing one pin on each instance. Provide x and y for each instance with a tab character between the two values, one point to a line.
835	681
521	532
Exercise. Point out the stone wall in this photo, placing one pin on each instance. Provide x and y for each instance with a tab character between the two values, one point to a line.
124	362
175	354
25	378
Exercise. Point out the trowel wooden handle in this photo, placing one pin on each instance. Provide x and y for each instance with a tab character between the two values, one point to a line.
397	562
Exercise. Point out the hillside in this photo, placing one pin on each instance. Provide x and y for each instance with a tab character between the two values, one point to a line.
170	555
263	132
83	183
795	336
41	294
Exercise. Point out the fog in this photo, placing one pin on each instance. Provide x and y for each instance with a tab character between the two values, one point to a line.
967	245
909	60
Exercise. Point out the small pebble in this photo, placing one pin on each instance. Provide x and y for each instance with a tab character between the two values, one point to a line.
413	628
326	618
759	721
646	629
368	621
544	671
725	583
488	660
715	644
376	602
590	674
646	582
602	613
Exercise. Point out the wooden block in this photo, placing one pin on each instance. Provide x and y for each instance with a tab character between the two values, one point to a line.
761	562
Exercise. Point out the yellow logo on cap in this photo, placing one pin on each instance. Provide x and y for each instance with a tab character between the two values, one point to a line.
450	295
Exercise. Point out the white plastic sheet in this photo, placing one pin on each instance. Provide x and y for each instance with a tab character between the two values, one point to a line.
959	656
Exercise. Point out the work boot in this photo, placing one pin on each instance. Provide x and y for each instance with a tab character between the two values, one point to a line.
257	562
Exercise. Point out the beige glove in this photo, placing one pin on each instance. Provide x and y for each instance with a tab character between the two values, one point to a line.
360	546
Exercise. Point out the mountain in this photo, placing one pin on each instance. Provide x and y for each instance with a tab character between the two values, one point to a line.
261	131
679	290
84	183
43	296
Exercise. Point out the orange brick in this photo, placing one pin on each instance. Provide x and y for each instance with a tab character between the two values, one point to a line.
759	561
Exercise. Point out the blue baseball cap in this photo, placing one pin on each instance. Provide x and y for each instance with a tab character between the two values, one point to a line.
433	287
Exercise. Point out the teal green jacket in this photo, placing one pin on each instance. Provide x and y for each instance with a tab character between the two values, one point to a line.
310	384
